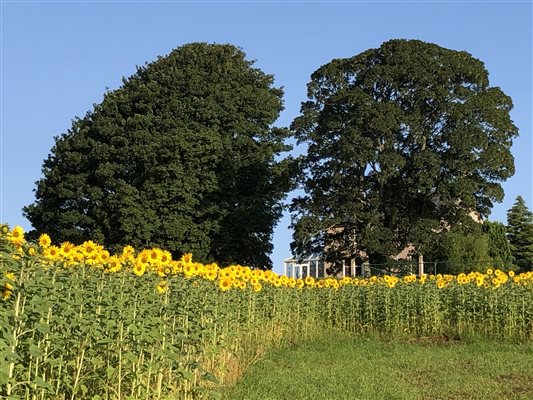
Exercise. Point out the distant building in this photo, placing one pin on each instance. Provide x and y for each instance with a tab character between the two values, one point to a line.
317	268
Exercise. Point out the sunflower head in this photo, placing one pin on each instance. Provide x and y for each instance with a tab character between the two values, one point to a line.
162	287
45	241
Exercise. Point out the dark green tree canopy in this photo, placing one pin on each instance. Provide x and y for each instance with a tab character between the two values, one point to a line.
403	141
499	247
520	234
182	156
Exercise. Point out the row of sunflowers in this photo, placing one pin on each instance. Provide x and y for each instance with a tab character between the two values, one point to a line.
160	262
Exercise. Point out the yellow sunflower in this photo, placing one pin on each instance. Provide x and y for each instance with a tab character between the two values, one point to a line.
44	241
139	268
225	284
162	287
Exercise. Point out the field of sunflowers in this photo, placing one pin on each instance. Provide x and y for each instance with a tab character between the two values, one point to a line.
77	322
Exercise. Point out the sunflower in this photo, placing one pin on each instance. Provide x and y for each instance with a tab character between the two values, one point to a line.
258	274
44	241
77	256
226	273
165	257
66	249
52	253
139	268
114	264
225	284
310	281
16	236
189	270
198	268
210	275
154	255
7	291
162	287
144	256
4	230
176	267
103	256
89	249
128	251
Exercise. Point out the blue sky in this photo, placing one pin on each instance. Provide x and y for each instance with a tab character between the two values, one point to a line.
58	58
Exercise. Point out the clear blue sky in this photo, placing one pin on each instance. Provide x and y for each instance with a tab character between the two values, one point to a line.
58	58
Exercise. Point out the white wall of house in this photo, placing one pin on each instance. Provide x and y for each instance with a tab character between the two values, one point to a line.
316	268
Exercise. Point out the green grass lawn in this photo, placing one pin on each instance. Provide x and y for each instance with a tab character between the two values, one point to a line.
338	367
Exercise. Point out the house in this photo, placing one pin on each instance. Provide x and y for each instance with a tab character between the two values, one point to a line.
316	267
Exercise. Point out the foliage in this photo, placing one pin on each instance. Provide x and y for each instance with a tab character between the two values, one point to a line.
78	322
182	156
464	249
403	142
499	247
520	234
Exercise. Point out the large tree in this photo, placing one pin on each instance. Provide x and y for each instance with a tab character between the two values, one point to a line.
520	234
182	156
404	141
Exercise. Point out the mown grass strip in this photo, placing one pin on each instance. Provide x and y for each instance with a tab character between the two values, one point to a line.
338	366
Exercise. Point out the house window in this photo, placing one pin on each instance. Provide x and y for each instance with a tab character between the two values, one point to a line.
304	270
312	268
320	269
347	267
289	270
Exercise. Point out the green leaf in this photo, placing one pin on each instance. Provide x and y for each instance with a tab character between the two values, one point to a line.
110	371
35	351
43	384
42	328
186	374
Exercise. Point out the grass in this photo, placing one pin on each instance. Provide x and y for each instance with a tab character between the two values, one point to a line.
338	366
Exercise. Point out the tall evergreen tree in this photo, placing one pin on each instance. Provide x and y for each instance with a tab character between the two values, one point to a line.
403	142
520	234
182	156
